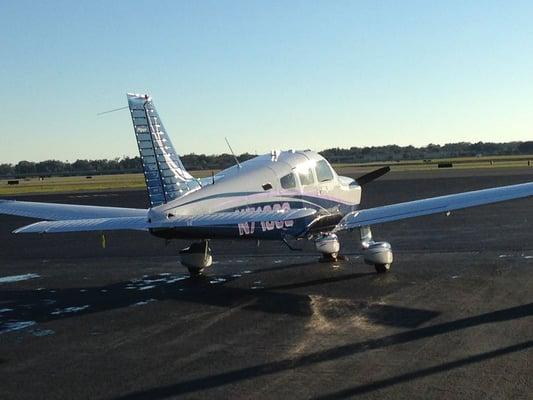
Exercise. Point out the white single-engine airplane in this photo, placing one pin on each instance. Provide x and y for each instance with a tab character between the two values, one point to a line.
278	196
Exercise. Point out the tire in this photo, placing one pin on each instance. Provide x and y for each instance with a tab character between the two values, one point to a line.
382	268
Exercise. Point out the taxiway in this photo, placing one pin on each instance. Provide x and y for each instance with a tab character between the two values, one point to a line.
454	318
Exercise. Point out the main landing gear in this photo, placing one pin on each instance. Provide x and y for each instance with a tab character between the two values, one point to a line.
378	254
196	257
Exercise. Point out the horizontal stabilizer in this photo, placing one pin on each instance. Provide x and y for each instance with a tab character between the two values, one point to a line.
179	221
433	205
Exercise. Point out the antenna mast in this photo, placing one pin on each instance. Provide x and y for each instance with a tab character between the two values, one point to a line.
233	153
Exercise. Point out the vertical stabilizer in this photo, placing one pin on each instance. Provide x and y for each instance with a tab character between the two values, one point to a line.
166	177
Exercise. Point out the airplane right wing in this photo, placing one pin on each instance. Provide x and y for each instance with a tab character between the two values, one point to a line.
434	205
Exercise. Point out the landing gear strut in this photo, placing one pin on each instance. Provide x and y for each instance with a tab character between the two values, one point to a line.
378	254
196	257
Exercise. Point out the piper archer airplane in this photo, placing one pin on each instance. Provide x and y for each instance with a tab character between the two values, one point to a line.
278	196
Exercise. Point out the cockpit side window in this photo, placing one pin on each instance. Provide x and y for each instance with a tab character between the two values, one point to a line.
288	181
306	177
323	171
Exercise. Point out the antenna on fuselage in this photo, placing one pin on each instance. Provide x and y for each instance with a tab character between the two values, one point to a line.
233	153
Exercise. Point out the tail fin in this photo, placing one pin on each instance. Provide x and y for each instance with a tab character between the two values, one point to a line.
166	177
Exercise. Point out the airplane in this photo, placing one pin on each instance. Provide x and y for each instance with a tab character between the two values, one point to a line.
282	195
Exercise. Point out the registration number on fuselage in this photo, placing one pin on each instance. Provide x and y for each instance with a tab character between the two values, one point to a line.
248	228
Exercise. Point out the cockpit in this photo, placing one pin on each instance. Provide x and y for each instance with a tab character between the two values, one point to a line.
308	174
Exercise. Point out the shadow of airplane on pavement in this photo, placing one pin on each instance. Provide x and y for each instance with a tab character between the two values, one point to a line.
340	352
21	306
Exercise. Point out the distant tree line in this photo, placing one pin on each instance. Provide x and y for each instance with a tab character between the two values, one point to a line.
115	166
334	155
431	151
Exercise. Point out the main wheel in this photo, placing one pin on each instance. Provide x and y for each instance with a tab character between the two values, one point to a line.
382	268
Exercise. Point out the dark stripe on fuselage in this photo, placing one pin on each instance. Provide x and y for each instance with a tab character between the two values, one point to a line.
232	232
219	196
301	227
299	201
321	201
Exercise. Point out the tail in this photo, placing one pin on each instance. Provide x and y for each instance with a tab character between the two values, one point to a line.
166	177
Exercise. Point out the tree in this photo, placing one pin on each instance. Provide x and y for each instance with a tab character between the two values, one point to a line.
525	148
25	167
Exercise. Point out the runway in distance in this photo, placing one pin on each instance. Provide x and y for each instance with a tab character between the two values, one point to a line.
284	195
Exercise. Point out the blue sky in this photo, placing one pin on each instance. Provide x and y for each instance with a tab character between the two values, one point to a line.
266	74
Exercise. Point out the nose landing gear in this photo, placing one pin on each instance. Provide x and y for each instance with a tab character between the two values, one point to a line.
328	244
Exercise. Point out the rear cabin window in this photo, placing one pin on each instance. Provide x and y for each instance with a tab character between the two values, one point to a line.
306	177
323	171
288	181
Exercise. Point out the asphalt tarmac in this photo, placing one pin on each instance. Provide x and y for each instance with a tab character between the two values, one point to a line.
453	319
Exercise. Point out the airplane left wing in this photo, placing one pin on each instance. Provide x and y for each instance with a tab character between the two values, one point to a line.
434	205
178	221
54	211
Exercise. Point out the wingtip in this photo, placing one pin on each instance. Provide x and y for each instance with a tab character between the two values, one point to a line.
22	229
30	228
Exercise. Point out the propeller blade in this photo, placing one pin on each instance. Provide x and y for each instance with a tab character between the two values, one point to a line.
372	176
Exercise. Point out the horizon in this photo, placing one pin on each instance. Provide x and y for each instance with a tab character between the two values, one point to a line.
265	75
123	157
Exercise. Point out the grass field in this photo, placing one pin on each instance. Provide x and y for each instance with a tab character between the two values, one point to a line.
136	181
73	184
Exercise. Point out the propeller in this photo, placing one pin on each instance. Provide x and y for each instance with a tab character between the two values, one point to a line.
372	176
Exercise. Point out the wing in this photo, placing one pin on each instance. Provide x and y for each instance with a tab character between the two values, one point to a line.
54	212
434	205
179	221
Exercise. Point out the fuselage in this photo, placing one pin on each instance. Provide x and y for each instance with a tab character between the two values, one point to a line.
280	180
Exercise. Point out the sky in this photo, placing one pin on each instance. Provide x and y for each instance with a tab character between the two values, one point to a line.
266	74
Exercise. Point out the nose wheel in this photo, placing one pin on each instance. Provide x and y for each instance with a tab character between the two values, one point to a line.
328	245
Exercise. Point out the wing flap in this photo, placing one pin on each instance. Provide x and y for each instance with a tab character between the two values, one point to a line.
56	212
434	205
86	225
